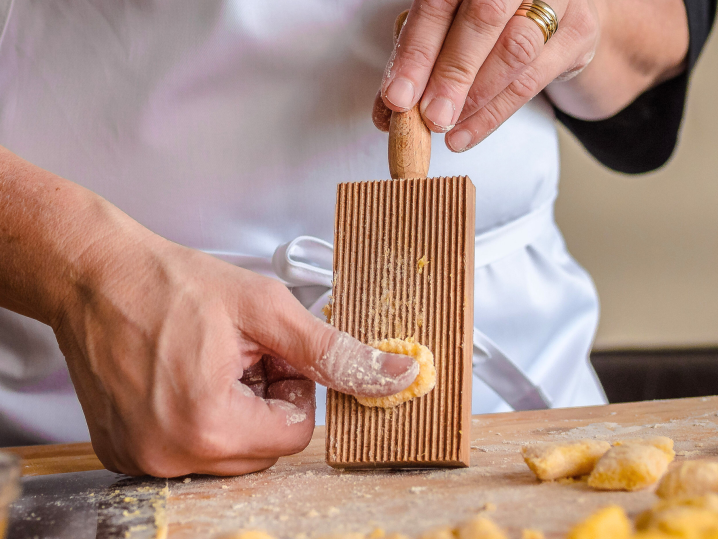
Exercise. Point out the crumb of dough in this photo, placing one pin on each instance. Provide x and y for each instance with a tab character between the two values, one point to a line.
629	467
609	522
554	460
424	382
247	534
648	519
376	533
479	528
683	518
423	261
663	443
327	311
689	478
444	532
532	534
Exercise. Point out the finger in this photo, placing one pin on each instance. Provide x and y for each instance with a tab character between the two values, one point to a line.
318	350
416	51
300	393
381	114
473	34
254	374
282	424
534	78
520	43
277	369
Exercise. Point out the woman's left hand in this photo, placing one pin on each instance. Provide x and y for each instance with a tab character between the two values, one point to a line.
472	63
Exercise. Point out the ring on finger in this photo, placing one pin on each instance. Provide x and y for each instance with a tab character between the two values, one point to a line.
542	14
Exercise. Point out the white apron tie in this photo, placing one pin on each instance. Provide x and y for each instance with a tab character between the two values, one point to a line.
307	261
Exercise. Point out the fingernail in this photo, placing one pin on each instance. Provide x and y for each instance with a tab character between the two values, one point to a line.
440	112
460	140
400	93
398	366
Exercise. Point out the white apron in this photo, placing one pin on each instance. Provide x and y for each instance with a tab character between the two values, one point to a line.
225	126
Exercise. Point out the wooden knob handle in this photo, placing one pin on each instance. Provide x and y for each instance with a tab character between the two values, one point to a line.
409	138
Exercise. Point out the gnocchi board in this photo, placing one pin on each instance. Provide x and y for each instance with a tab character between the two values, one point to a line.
301	497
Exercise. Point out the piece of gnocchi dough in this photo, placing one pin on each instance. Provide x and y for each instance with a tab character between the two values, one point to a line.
629	467
555	460
424	382
689	478
479	528
247	534
663	443
609	522
681	518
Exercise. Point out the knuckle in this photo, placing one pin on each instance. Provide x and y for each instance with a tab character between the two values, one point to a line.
417	54
149	461
486	13
493	117
205	444
520	48
527	85
438	8
457	74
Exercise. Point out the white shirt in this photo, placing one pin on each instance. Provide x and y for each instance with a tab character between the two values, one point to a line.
225	126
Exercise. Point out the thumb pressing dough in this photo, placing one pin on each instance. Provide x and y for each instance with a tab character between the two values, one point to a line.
424	382
554	460
689	478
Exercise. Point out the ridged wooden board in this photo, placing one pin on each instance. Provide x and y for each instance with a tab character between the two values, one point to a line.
382	230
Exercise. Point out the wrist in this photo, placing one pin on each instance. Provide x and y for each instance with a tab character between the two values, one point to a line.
55	237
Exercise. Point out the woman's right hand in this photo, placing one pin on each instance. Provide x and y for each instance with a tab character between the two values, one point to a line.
157	342
158	336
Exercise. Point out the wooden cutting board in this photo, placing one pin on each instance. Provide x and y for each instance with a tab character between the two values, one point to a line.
303	497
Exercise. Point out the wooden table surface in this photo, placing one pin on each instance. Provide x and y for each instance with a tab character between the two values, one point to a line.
301	497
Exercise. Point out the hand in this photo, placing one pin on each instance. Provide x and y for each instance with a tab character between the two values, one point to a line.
157	338
471	64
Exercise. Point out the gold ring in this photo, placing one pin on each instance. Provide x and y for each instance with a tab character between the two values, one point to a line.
542	14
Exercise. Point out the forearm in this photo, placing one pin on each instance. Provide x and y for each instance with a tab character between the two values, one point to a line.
641	43
51	231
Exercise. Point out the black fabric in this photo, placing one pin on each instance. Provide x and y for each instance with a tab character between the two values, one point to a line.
642	136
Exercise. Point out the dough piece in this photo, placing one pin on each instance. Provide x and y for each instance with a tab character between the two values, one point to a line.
425	380
444	532
686	518
689	478
629	467
553	460
663	443
247	534
649	519
609	522
532	534
479	528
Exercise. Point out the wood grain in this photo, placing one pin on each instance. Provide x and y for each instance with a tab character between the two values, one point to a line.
56	458
383	229
302	496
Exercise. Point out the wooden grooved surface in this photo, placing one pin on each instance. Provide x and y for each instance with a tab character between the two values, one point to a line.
382	230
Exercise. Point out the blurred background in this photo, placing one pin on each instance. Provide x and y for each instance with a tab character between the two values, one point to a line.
651	244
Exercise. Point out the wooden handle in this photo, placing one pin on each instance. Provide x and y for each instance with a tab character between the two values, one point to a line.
409	138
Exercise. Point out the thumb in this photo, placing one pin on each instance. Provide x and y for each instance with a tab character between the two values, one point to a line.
332	357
